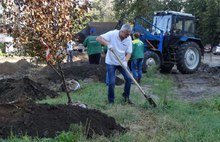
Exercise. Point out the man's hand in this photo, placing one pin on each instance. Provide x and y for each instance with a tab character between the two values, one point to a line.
125	64
110	47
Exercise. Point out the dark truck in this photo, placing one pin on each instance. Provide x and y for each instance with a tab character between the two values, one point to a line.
100	28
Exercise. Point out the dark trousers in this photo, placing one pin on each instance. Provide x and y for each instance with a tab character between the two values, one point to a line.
136	67
111	81
70	56
94	58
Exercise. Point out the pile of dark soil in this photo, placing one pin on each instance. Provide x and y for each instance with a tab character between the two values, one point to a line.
47	121
12	90
22	66
20	115
77	72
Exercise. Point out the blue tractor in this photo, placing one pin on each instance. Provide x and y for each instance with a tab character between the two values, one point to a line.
170	40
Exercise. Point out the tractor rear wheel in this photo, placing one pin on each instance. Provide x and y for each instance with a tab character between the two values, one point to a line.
150	59
188	57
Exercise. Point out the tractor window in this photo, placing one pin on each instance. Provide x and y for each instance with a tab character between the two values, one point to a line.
163	23
179	26
189	27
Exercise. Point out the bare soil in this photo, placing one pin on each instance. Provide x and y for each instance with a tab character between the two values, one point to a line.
45	120
205	83
21	83
13	90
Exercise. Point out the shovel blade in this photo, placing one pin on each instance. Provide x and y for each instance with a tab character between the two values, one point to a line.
153	100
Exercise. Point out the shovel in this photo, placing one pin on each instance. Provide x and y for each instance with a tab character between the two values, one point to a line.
153	100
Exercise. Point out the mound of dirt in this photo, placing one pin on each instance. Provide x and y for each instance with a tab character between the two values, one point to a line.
77	72
47	121
20	115
11	90
83	71
21	66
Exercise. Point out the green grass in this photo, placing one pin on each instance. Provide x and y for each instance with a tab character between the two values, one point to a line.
172	121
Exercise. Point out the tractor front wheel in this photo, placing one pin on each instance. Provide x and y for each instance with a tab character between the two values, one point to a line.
150	59
188	57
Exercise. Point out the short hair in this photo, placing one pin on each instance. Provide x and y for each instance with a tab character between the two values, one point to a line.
136	35
126	27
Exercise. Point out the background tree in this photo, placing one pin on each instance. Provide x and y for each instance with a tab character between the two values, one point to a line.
207	13
122	9
103	10
174	5
144	8
47	25
208	19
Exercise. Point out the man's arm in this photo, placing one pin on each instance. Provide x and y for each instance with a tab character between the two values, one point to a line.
85	42
102	41
128	56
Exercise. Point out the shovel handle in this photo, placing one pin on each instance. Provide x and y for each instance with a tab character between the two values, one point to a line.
131	76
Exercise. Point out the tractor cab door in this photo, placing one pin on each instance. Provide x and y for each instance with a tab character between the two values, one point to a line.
183	26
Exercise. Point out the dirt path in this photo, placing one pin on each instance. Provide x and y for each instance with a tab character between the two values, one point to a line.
205	83
211	60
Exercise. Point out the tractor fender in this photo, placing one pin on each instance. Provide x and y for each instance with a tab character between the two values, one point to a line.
196	40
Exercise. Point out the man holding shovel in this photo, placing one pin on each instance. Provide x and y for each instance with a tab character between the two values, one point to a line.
120	42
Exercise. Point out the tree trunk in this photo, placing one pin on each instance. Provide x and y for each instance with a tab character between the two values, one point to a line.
61	74
64	83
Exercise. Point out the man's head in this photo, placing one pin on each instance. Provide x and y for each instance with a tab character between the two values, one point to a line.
125	31
136	35
92	31
131	21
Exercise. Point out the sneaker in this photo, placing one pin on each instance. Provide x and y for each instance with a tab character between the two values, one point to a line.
111	103
125	98
129	101
123	94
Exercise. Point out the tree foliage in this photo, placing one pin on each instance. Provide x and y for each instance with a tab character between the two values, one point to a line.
174	5
49	20
207	13
144	8
103	10
46	24
208	19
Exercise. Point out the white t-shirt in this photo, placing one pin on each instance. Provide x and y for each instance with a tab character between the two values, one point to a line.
70	45
120	47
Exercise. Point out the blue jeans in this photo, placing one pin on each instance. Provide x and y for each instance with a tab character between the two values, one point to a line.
70	56
111	81
136	67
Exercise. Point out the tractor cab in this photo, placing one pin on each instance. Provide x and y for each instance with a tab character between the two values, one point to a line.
174	23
